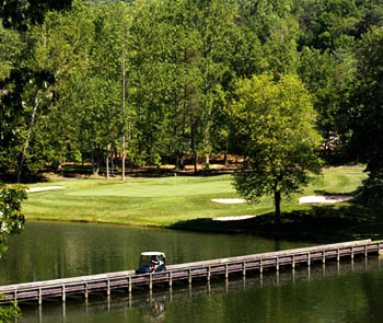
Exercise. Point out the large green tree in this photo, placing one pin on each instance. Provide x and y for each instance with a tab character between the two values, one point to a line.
366	116
276	121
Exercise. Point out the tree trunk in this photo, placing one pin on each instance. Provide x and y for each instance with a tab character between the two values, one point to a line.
93	162
27	139
123	108
123	157
277	202
226	160
107	163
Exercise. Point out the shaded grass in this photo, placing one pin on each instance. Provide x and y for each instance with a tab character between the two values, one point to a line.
319	224
171	201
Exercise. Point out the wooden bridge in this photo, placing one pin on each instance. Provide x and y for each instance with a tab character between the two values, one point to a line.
187	272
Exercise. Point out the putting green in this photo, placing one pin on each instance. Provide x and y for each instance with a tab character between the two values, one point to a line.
169	188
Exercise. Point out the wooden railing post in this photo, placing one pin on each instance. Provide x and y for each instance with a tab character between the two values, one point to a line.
63	293
244	269
40	300
108	287
86	290
170	279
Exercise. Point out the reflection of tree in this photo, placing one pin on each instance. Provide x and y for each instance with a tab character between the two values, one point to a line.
11	222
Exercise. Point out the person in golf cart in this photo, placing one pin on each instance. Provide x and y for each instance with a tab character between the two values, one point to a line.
151	261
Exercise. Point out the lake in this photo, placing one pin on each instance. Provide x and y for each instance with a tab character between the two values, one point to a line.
351	292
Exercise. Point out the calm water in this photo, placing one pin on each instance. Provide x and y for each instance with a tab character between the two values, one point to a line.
348	293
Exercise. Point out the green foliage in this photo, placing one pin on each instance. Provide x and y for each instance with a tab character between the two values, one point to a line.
154	78
11	215
9	313
366	120
277	122
11	222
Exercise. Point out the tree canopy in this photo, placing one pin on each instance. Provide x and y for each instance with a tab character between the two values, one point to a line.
148	82
277	123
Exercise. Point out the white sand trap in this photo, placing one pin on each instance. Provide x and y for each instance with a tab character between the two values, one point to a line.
44	188
324	199
234	218
230	201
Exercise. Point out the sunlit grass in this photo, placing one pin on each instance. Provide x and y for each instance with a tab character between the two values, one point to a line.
167	200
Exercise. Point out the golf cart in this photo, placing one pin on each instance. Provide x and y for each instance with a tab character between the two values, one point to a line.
151	261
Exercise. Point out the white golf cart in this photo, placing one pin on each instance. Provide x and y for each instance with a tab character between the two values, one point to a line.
151	261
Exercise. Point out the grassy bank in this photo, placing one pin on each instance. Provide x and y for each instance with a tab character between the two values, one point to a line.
167	201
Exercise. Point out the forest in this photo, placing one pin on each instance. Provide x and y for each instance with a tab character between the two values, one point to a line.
150	82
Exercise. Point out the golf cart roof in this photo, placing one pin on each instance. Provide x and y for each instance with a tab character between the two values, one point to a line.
152	253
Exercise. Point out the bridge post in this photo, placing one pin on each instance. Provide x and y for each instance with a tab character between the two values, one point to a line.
277	266
86	290
130	284
170	279
260	267
40	299
63	293
380	249
108	287
324	257
190	277
151	281
337	255
309	259
365	251
208	273
244	269
226	271
293	261
15	296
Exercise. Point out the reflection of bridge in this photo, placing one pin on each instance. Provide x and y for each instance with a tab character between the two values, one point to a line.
61	288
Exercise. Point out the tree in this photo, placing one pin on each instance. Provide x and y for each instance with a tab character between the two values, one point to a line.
11	222
366	117
328	76
20	14
276	120
217	26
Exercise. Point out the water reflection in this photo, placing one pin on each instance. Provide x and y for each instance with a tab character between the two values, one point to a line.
322	292
49	250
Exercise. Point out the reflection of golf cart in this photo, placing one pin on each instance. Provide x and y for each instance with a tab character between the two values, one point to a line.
151	262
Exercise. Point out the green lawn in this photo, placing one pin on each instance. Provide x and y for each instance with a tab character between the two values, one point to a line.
167	200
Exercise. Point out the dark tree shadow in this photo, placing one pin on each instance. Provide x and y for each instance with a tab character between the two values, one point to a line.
318	224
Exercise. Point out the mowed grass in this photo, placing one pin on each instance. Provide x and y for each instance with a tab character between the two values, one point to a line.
165	201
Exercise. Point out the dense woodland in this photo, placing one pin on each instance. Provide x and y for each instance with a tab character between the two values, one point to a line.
147	82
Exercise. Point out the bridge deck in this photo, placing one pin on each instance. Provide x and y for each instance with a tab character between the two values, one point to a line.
187	271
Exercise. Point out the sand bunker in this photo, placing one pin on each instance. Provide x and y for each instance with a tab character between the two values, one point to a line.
324	199
44	188
230	201
234	218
